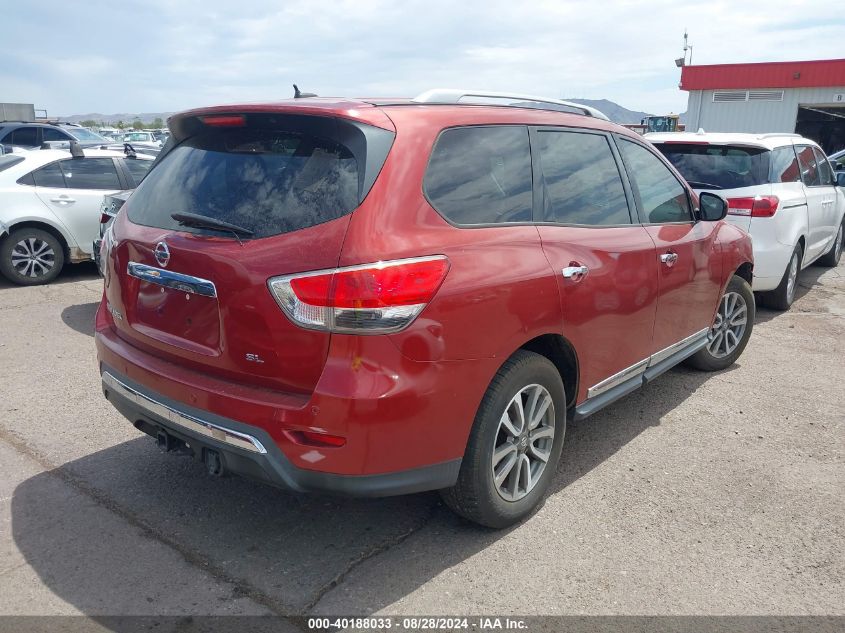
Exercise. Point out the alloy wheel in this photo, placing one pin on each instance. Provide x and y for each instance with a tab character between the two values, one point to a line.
523	442
729	326
33	257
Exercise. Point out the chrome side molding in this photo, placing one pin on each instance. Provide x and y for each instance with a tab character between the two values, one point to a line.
179	418
641	366
170	279
617	378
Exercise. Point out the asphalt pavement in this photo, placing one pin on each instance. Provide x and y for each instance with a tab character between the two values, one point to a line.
700	494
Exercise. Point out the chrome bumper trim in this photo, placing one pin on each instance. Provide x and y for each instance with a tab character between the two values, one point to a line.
170	279
189	422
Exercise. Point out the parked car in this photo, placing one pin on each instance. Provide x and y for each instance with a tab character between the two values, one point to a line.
140	148
32	135
837	159
111	204
385	297
50	207
141	137
780	188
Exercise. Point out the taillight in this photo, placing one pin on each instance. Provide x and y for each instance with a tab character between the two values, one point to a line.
756	207
369	299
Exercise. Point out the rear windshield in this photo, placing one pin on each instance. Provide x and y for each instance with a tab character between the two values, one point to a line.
9	160
718	166
269	181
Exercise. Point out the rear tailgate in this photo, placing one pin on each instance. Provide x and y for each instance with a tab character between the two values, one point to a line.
197	295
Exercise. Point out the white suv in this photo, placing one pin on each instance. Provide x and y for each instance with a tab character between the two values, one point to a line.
50	207
780	188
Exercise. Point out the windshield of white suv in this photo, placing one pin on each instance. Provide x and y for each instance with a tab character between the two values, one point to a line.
81	134
718	166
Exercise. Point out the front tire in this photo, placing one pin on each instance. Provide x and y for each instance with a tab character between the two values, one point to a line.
731	329
515	444
31	256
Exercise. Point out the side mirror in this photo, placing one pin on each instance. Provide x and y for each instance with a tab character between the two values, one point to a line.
840	179
712	208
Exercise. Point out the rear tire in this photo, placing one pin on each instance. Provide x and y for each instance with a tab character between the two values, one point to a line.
832	257
781	298
487	491
31	256
731	329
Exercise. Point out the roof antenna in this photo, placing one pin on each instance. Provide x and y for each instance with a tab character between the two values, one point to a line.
297	94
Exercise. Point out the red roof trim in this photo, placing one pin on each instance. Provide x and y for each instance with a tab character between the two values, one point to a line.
807	74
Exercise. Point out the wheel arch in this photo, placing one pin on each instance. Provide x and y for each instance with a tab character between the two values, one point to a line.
746	271
562	354
44	226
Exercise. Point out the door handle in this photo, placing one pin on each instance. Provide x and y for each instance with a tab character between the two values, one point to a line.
669	259
575	273
62	200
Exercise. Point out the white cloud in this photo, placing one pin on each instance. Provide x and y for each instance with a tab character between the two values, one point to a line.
164	55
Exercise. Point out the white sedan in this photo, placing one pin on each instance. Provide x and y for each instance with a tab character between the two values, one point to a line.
50	207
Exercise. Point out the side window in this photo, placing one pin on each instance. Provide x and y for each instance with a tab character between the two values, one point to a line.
25	136
662	197
138	168
49	176
783	166
825	172
809	169
581	181
90	173
481	175
50	134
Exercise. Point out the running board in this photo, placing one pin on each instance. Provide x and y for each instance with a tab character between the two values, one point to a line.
638	374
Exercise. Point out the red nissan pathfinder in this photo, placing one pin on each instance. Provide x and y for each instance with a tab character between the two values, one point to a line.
381	297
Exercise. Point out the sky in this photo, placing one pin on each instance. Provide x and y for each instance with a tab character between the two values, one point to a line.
111	56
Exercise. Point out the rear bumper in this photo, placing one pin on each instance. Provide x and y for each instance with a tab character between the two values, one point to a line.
770	261
250	451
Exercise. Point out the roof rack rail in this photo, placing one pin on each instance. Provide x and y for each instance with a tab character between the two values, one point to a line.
453	96
773	134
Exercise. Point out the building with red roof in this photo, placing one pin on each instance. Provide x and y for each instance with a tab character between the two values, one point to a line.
807	97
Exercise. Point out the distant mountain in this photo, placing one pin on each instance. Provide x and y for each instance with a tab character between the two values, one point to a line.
614	111
617	113
145	117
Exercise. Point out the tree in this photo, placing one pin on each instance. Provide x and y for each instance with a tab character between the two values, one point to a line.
88	123
157	123
136	124
120	125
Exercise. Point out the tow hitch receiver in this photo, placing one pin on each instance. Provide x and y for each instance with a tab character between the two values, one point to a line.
169	444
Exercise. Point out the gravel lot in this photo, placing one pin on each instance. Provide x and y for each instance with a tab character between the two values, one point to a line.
700	494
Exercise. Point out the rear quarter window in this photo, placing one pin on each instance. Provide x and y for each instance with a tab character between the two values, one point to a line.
784	165
481	175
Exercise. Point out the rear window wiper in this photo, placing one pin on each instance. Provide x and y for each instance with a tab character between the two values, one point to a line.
703	185
205	222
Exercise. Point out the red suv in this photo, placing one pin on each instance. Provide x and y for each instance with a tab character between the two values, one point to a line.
384	297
